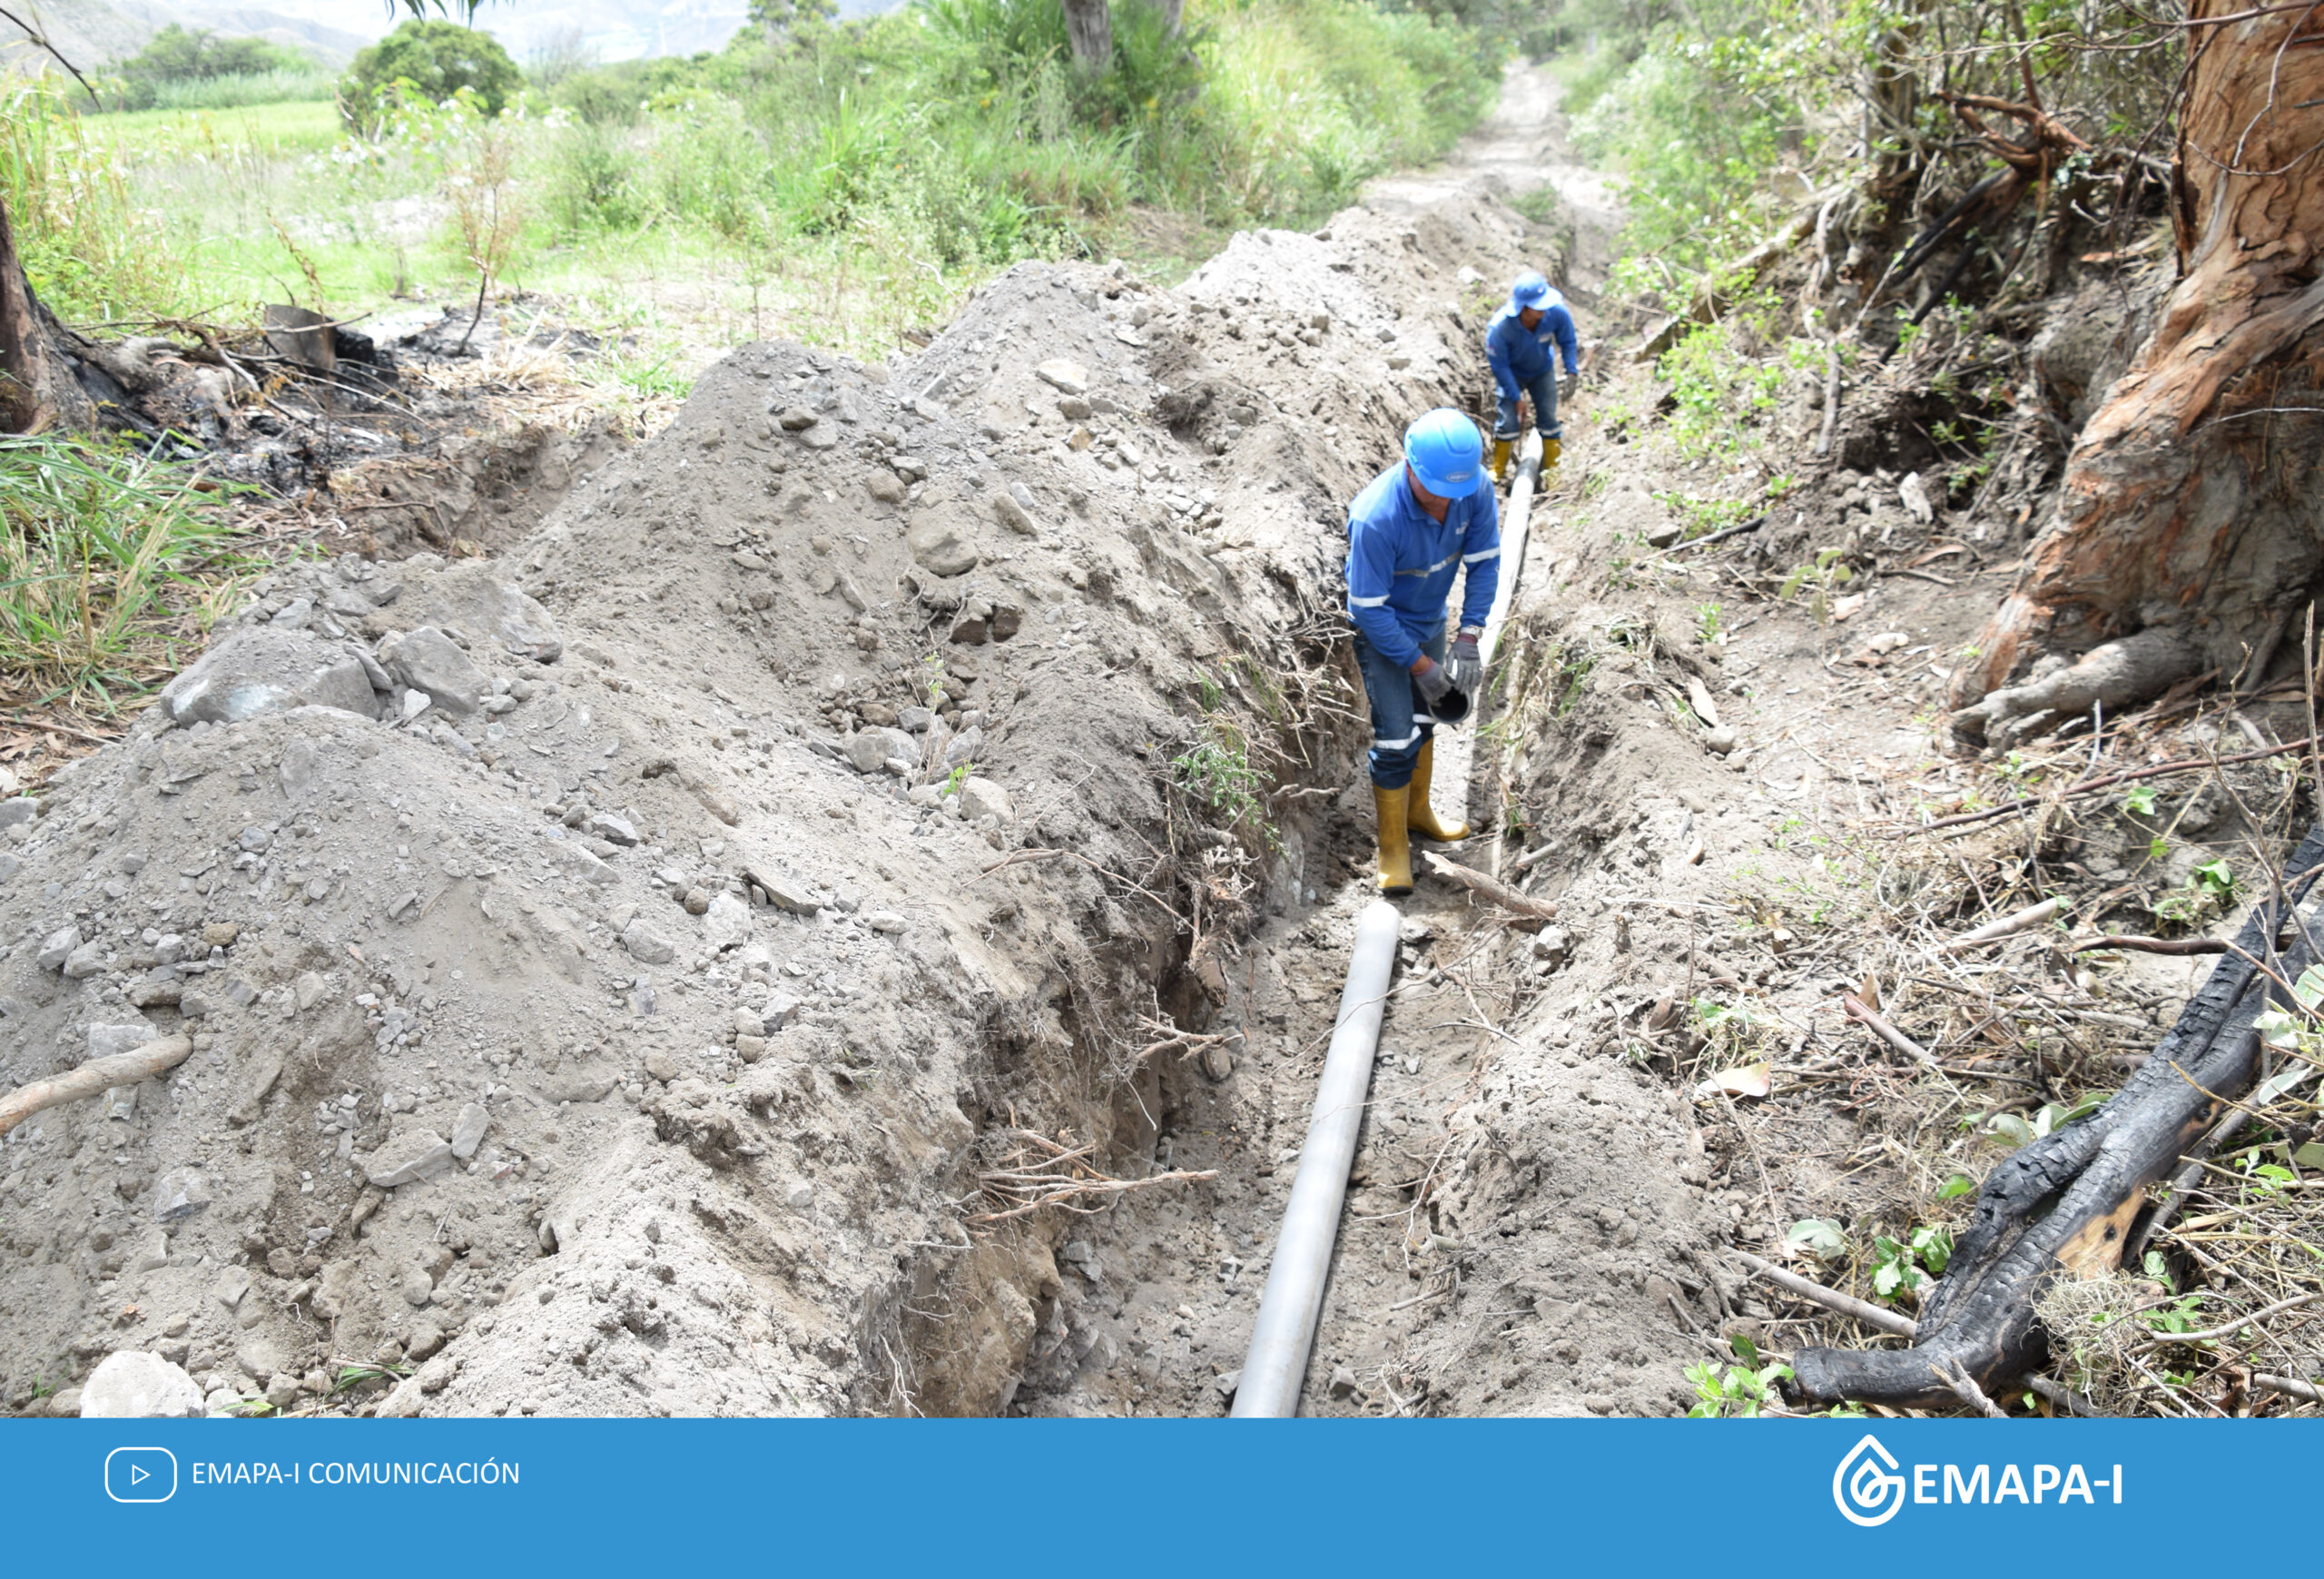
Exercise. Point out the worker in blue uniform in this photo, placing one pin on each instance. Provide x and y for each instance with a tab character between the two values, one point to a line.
1517	345
1413	529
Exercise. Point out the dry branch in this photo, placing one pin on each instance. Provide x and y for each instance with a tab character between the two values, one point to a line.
1492	890
1872	1021
2092	787
2026	920
2151	945
123	1069
1830	1299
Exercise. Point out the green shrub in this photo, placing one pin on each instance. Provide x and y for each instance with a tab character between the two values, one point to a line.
437	59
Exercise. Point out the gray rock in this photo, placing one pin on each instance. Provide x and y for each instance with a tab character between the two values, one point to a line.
407	1158
1014	514
1721	740
728	922
417	1287
9	865
981	797
941	545
282	1391
779	1010
437	1373
233	1284
295	614
268	670
613	829
255	838
915	720
783	892
426	1340
19	809
310	989
181	1193
427	660
580	863
476	600
468	1130
885	920
1065	376
105	1040
58	947
1664	534
1343	1383
135	1386
150	1252
797	419
646	945
868	750
963	746
85	961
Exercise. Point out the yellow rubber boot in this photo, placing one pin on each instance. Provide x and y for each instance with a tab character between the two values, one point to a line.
1501	448
1395	846
1419	816
1550	448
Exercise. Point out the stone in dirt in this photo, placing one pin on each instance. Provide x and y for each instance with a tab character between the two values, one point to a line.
135	1386
427	660
647	946
942	546
727	921
181	1193
981	797
408	1157
468	1130
476	600
264	670
1064	375
58	947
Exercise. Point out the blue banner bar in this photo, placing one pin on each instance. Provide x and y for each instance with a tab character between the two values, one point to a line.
1164	1497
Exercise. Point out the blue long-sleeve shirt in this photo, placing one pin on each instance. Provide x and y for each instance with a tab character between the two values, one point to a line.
1401	563
1519	355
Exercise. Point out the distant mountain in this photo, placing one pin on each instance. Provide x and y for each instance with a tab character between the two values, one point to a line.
92	32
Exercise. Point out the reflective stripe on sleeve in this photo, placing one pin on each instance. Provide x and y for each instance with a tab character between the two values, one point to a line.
1491	553
1380	602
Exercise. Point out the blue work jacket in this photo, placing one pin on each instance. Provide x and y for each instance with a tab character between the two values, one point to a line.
1519	355
1401	563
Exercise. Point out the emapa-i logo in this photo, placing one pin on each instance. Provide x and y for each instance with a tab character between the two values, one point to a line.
1869	1486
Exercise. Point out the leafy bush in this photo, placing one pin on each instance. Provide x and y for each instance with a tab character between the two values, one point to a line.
437	59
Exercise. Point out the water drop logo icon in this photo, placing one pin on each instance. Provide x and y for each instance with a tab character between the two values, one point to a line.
1864	1493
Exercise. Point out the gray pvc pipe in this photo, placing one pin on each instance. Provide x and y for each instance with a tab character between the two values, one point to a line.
1294	1296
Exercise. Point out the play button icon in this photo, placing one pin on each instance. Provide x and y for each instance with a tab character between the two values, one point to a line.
141	1474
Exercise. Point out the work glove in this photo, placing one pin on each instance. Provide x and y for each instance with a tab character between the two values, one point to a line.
1468	669
1434	682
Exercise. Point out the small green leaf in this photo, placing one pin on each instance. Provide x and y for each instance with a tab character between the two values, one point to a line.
1745	1349
1960	1184
2139	801
2278	1028
1824	1241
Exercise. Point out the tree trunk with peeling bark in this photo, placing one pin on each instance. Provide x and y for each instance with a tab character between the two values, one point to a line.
2189	510
1089	28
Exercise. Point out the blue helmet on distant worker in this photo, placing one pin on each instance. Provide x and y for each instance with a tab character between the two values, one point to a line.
1446	453
1530	291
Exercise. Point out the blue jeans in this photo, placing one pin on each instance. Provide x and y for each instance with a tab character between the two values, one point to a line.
1544	390
1401	720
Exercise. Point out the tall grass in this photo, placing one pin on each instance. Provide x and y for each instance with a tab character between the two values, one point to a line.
90	248
110	566
841	188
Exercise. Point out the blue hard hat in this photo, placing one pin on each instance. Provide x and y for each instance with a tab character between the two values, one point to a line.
1530	291
1446	453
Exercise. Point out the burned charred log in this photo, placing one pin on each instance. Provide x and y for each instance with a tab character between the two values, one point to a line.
2065	1206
